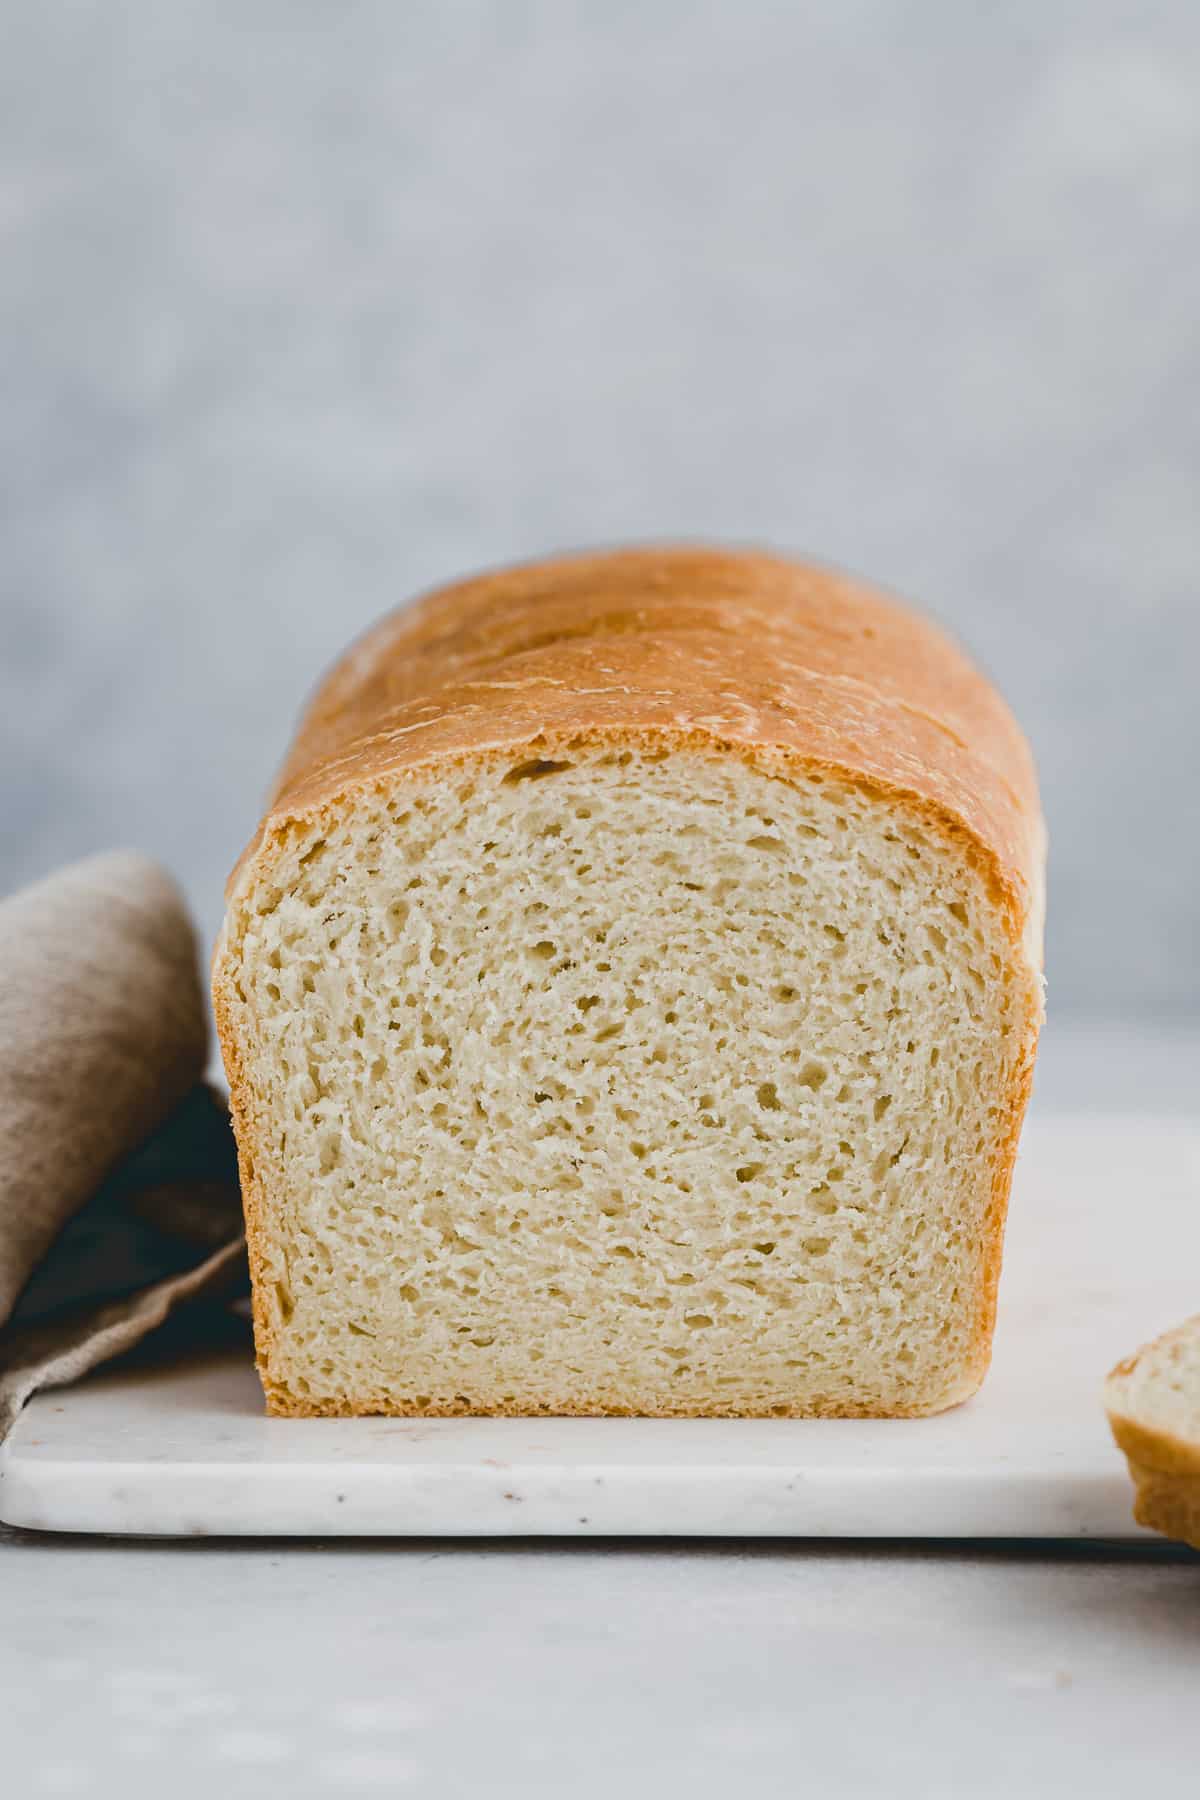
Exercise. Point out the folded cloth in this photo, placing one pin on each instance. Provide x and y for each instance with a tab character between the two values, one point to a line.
118	1190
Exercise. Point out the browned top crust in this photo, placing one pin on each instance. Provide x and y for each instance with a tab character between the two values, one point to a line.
787	663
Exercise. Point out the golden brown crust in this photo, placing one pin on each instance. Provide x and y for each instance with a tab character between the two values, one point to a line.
787	665
283	1404
1165	1467
1167	1503
1158	1450
1152	1448
734	648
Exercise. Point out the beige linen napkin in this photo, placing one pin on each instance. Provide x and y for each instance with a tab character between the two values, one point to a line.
118	1195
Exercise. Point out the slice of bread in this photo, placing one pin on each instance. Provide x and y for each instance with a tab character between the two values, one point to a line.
1153	1402
630	1001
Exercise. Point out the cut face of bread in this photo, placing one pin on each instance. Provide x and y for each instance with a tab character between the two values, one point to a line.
1153	1403
615	1077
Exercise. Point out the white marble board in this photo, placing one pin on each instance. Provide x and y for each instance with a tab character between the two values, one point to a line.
1103	1251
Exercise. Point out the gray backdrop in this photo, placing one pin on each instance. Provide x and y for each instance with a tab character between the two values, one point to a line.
305	306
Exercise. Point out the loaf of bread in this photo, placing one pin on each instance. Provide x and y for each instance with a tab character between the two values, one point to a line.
1153	1402
630	1000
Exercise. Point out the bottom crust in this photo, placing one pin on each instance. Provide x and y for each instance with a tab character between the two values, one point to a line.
1169	1503
285	1405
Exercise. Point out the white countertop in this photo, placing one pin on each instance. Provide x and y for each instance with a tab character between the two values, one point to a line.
531	1669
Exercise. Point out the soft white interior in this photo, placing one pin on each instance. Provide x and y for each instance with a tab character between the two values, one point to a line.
1161	1390
624	1081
